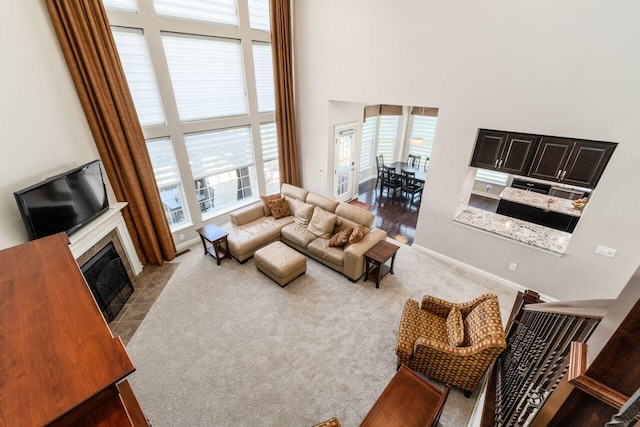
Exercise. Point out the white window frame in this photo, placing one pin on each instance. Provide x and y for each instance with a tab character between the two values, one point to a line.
152	25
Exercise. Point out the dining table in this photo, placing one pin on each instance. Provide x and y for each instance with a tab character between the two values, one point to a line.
420	172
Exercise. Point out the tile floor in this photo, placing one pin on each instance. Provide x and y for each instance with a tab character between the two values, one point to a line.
147	287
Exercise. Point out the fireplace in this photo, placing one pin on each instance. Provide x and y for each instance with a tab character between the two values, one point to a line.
108	280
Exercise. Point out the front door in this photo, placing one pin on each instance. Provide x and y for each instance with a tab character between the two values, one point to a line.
344	185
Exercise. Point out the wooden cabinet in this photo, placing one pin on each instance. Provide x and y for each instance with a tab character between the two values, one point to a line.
566	160
574	162
555	220
504	151
60	364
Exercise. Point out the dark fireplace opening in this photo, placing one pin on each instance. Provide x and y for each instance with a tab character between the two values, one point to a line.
108	280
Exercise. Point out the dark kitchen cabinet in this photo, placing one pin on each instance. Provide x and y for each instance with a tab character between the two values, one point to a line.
504	151
539	216
574	162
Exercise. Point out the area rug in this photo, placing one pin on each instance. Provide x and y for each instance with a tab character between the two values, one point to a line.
226	346
360	204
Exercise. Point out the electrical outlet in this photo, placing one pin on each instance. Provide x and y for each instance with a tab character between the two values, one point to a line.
605	251
513	266
181	237
461	203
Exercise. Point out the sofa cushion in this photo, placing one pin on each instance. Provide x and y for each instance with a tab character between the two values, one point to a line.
358	234
279	208
322	223
298	235
355	214
246	238
323	202
265	202
341	238
320	248
455	328
302	212
294	192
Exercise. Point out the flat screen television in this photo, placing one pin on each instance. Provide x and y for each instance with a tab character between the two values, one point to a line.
64	202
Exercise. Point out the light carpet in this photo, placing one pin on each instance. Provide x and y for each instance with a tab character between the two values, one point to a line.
226	346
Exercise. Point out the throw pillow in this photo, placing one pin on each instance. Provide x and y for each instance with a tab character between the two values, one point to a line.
279	208
357	235
302	211
341	238
455	327
322	222
265	202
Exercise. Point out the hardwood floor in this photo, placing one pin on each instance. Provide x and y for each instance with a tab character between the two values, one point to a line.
393	216
484	203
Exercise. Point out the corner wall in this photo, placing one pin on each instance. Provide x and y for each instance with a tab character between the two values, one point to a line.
44	129
566	69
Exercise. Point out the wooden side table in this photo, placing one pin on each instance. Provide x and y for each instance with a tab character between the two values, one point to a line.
375	259
408	400
215	235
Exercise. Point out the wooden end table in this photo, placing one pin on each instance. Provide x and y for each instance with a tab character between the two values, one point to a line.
215	235
375	261
408	400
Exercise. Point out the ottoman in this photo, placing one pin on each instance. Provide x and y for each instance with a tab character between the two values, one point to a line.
280	263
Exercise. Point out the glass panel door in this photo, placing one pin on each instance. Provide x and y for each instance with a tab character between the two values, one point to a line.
345	136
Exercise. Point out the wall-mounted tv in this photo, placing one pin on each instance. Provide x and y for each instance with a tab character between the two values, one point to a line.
64	202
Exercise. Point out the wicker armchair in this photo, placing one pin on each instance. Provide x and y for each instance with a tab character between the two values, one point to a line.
452	343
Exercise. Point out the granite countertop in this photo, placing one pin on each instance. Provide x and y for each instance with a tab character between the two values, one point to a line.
541	237
553	183
538	200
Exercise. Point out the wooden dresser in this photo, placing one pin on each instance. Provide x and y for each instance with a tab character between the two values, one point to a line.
59	363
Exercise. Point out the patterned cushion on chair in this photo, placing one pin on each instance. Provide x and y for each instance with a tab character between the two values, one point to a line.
455	328
333	422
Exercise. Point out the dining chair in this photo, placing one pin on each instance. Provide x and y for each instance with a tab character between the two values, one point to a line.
414	160
379	165
409	185
390	181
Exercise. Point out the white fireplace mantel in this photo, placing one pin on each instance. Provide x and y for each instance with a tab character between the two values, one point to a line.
87	236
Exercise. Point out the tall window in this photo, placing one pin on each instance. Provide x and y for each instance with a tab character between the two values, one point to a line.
388	137
206	116
269	138
165	169
423	128
367	143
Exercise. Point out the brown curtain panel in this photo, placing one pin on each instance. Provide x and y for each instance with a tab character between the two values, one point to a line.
281	47
83	30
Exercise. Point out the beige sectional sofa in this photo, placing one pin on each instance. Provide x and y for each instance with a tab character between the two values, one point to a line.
315	218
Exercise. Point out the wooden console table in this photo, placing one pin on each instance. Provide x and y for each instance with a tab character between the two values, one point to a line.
408	400
60	364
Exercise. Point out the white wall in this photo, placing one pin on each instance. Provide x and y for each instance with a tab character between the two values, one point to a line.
557	68
44	130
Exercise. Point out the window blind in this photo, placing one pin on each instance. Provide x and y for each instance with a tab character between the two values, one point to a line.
163	161
259	15
269	140
423	127
492	177
218	151
207	76
387	137
138	70
263	65
217	11
123	5
366	145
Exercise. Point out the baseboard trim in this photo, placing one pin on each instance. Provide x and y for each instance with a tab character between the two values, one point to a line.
182	246
481	272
